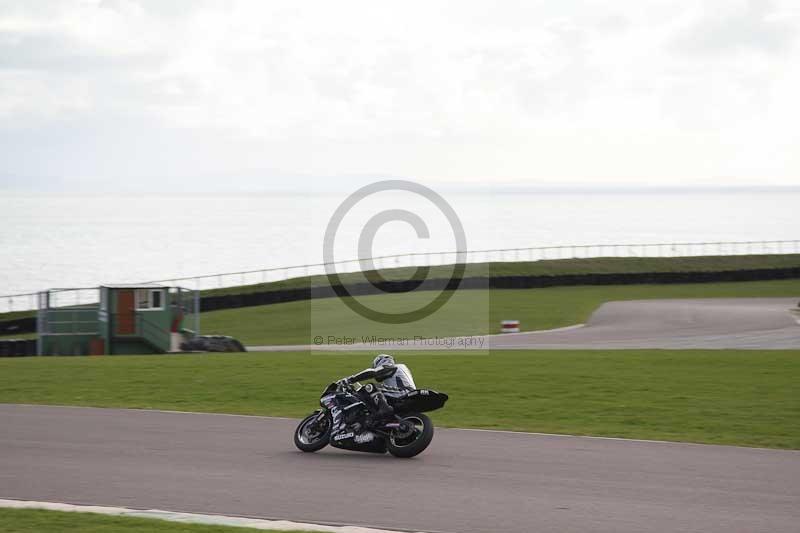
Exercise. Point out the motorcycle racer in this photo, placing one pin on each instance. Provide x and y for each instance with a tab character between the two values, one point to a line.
348	419
393	378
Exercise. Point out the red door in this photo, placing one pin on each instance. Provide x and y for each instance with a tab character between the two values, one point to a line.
126	313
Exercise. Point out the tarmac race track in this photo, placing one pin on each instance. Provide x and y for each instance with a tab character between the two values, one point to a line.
466	482
713	323
744	323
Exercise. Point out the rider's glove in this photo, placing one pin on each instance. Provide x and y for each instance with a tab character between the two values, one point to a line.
344	382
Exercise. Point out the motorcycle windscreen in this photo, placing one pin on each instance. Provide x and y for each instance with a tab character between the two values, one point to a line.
420	401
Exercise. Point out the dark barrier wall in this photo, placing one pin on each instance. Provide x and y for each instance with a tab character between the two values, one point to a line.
232	301
17	348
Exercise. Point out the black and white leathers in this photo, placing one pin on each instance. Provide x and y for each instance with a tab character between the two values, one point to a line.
390	376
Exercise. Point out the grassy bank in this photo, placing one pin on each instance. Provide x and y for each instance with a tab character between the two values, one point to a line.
19	336
470	312
726	397
39	521
552	267
547	267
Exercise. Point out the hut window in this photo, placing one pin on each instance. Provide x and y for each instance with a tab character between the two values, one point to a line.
149	299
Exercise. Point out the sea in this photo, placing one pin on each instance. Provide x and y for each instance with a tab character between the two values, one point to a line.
49	241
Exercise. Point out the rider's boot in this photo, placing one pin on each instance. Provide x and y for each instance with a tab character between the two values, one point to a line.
384	409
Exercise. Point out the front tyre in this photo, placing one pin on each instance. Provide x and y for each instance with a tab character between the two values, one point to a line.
411	439
313	433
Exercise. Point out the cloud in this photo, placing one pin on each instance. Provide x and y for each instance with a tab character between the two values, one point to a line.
736	26
456	91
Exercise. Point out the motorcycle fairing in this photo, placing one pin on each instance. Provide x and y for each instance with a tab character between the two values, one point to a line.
418	401
346	409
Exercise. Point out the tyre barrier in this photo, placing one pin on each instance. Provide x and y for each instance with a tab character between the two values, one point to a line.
17	347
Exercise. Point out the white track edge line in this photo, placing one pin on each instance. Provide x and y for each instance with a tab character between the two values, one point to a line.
188	518
328	347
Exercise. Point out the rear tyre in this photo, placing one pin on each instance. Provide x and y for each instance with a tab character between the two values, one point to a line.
313	434
413	439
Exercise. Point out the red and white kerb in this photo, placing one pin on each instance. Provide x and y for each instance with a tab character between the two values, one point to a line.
509	326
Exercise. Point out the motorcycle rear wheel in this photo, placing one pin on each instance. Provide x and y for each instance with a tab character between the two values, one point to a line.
310	439
407	446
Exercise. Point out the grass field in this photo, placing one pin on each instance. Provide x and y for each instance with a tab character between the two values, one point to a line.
39	521
469	312
726	397
600	265
19	336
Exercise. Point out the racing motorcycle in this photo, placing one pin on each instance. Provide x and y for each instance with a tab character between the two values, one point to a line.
345	421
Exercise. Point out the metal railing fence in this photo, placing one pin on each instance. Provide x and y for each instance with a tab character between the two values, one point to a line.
27	302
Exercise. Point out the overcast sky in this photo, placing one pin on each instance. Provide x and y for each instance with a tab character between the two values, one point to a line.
262	95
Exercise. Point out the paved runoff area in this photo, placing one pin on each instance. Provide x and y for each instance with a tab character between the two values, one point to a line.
468	481
713	323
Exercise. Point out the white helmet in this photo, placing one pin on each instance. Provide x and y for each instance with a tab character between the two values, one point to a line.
382	359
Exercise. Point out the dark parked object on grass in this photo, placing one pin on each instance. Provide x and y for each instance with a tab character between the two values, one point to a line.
212	343
18	325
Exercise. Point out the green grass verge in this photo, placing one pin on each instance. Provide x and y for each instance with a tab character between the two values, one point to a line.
725	397
19	336
40	521
469	312
12	315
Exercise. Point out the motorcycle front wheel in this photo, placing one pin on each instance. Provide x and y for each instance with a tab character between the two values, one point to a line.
413	438
313	433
